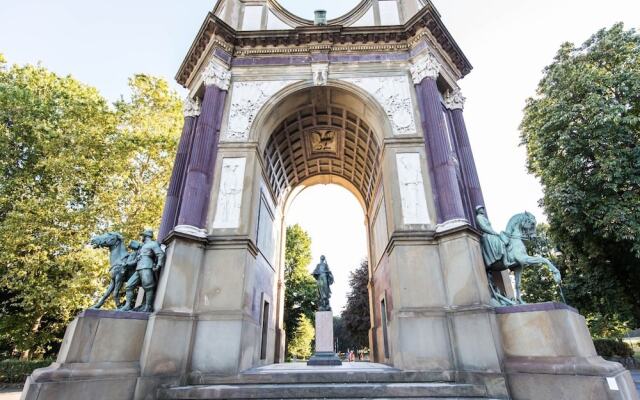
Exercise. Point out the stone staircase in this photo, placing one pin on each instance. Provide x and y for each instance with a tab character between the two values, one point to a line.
349	381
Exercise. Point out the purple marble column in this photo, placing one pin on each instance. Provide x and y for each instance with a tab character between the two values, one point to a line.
204	150
455	103
170	214
438	142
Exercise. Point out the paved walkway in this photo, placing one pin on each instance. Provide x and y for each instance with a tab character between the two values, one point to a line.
9	394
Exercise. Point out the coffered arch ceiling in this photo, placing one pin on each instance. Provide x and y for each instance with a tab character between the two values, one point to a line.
320	137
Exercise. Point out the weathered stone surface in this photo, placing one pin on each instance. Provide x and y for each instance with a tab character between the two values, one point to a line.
324	331
99	355
549	354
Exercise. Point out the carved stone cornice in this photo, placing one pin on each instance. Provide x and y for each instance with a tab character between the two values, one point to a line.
426	66
454	100
191	107
216	75
216	34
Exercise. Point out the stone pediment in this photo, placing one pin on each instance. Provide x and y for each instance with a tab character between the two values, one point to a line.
217	37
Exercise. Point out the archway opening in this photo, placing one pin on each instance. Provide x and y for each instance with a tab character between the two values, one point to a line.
335	222
324	151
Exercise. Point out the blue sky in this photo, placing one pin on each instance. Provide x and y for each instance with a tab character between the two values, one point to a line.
509	42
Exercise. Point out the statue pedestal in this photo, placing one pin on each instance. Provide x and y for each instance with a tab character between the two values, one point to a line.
324	354
549	354
99	359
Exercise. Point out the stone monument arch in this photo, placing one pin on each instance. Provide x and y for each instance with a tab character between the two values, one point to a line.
370	101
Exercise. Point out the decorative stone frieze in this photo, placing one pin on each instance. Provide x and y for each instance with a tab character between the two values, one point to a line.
426	66
392	92
191	107
454	100
247	98
215	34
216	74
320	74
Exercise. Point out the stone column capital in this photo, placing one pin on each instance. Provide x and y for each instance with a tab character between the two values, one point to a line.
191	107
454	100
425	66
217	75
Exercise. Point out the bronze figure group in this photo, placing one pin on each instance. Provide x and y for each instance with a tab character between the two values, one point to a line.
138	268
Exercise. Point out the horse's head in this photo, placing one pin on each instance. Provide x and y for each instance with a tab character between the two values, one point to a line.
525	225
110	239
529	224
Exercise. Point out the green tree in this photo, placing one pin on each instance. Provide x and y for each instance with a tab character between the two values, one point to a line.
149	128
300	287
356	316
300	345
72	166
537	282
56	138
582	134
342	336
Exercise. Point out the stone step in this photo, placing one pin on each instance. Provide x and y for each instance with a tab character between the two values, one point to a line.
413	390
358	376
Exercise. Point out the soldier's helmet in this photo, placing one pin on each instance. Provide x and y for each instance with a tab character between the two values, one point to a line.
134	245
147	233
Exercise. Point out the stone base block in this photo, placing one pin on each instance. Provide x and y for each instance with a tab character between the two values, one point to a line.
324	331
550	355
532	386
324	359
98	359
82	381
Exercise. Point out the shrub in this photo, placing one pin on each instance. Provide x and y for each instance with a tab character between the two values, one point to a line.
16	371
613	348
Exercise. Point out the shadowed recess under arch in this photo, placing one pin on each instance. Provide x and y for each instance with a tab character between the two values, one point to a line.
322	138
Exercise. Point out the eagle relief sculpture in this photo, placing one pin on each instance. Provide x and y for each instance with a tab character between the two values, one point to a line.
323	140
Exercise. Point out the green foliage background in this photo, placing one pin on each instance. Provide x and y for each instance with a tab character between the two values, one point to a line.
582	135
356	315
73	165
300	345
300	287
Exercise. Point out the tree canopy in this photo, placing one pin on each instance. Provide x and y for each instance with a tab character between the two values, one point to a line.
73	165
300	287
300	345
582	135
356	314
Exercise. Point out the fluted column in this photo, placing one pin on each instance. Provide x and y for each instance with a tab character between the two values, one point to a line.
169	216
425	71
455	103
202	160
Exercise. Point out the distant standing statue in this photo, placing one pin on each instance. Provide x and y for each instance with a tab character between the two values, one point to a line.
324	280
506	251
150	260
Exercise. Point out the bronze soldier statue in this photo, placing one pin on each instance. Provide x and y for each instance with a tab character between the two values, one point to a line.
324	280
150	260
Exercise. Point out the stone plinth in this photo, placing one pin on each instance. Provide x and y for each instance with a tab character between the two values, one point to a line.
98	359
549	354
324	354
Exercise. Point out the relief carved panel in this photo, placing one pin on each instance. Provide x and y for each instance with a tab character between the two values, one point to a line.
322	142
230	194
393	94
247	98
414	200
